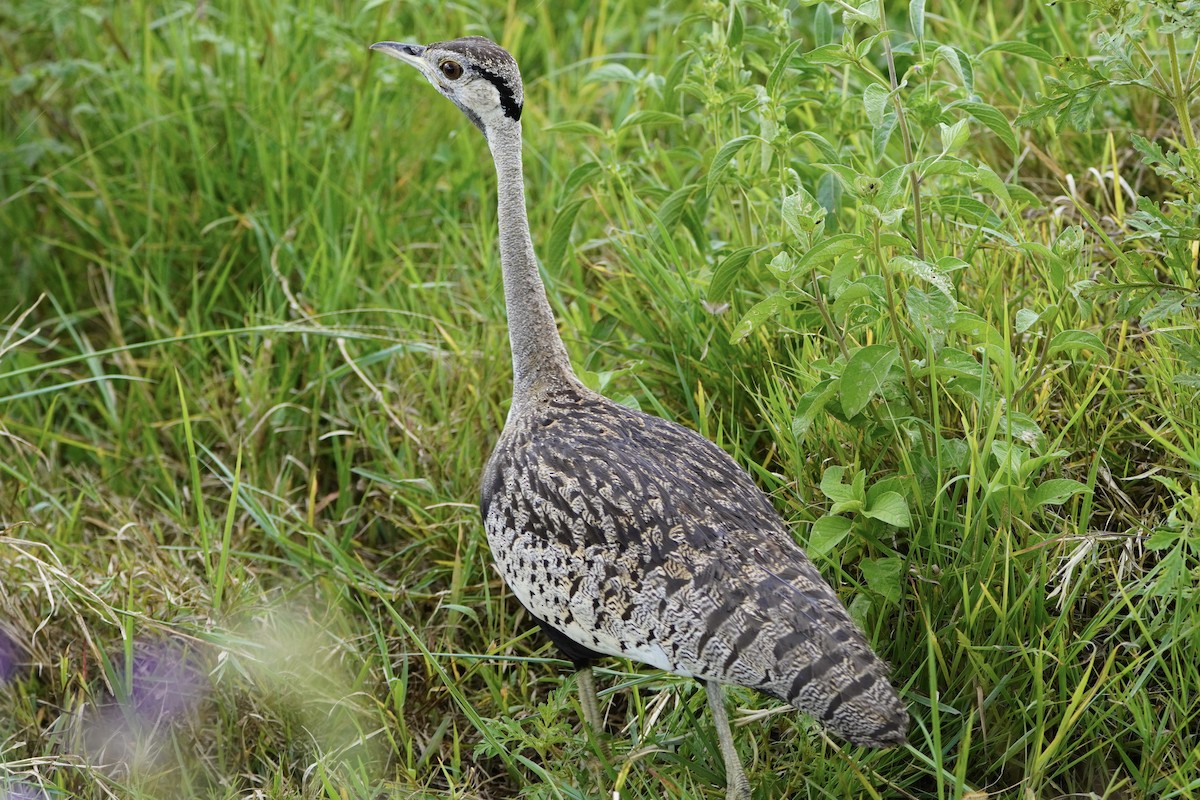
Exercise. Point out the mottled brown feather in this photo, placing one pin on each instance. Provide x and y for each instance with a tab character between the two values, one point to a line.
633	536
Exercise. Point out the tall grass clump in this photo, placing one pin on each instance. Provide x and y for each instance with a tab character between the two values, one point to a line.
929	271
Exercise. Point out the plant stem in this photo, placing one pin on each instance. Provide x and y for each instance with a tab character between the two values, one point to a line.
1179	99
910	382
828	318
1043	357
1179	96
902	122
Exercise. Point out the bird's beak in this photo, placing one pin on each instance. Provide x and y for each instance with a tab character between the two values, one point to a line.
409	53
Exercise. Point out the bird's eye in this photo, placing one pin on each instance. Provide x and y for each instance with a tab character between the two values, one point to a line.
452	70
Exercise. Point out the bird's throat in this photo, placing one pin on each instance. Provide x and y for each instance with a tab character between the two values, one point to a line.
539	357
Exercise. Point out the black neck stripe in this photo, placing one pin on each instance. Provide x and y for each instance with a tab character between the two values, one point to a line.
508	101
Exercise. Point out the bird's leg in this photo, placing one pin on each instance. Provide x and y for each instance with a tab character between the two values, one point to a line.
593	721
587	698
738	787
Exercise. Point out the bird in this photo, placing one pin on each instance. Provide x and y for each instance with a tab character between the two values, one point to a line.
627	535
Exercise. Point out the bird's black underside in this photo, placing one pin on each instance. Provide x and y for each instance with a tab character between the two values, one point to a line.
582	657
579	656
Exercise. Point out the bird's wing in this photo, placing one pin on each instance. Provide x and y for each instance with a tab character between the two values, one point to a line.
674	557
727	592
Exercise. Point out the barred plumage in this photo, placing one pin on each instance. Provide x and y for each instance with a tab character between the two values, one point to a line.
635	537
627	535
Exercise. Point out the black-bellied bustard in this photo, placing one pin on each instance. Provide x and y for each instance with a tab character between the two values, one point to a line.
626	535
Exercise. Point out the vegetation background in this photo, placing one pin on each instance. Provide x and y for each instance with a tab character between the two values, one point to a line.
935	287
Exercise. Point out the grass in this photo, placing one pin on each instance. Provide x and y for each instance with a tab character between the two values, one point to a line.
253	358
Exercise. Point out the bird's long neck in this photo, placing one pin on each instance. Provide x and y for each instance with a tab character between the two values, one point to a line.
539	357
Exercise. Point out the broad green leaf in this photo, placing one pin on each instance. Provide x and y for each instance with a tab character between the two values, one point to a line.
966	208
866	289
1070	341
829	193
960	62
978	329
953	136
865	373
1031	466
1163	538
1009	457
1020	194
1170	304
879	488
932	312
846	506
894	240
942	164
560	233
892	508
883	576
759	313
781	265
823	25
954	454
864	47
1056	491
828	54
832	476
930	273
723	157
612	72
803	215
640	118
891	186
865	14
726	273
1068	245
782	65
916	18
881	134
827	150
1026	319
989	181
954	363
845	496
827	533
827	250
737	27
1020	49
576	126
840	275
581	175
875	99
810	404
1025	429
671	210
848	176
995	121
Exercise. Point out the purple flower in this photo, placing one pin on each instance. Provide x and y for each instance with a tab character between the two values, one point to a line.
9	658
168	679
19	790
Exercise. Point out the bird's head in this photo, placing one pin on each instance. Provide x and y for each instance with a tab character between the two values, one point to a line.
476	73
